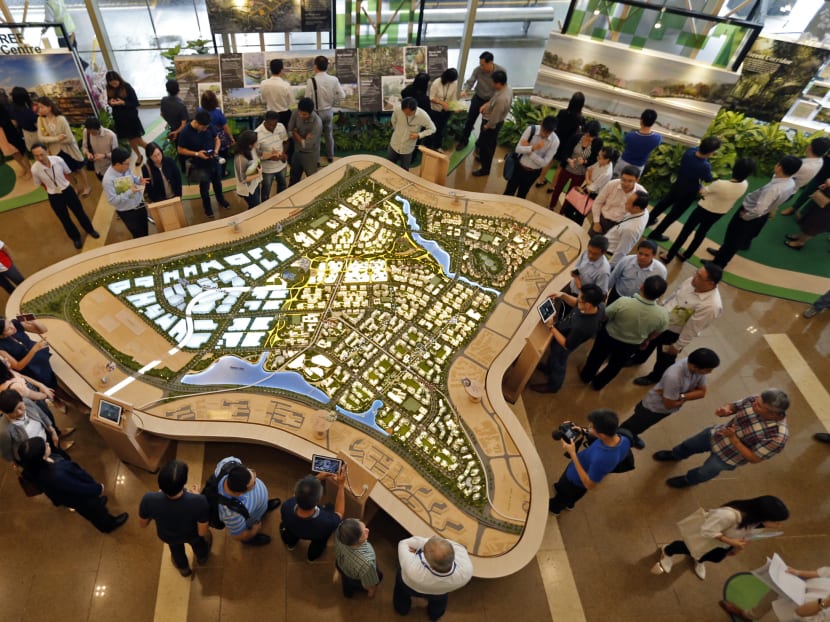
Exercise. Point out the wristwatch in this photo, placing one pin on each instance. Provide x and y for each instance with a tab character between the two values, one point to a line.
821	603
682	397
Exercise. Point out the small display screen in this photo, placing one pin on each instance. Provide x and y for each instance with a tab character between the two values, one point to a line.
109	412
546	310
324	464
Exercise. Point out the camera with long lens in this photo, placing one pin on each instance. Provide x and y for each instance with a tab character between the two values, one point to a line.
567	430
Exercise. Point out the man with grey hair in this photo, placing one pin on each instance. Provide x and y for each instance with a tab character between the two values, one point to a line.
756	431
430	568
355	558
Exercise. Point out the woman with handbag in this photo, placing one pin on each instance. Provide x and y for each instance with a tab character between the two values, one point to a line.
711	535
53	131
98	143
815	219
580	198
579	153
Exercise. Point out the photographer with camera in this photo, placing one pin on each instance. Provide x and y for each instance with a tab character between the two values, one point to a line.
588	467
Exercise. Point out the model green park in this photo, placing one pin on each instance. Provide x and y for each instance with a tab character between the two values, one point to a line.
356	304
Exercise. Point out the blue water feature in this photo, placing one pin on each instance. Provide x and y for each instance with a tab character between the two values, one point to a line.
434	249
236	371
367	418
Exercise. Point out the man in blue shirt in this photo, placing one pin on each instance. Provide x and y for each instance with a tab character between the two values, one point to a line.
694	169
632	270
638	144
243	484
588	467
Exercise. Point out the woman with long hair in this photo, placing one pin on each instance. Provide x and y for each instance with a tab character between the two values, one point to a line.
246	165
442	93
11	143
579	153
568	122
53	131
66	483
124	103
31	389
24	115
716	533
162	177
218	122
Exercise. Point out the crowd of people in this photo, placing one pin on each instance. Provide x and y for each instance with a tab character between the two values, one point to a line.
616	300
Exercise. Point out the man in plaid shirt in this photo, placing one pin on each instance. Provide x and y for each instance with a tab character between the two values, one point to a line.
757	431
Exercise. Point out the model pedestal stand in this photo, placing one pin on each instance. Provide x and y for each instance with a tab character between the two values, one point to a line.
535	346
117	424
168	215
434	165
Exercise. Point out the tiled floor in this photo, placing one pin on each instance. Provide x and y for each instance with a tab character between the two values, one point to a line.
56	566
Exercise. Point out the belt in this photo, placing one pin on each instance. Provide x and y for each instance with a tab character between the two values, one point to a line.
528	169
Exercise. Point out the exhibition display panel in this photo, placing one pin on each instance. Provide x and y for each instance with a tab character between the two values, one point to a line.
363	311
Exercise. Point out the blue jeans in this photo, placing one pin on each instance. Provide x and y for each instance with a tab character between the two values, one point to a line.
268	180
700	443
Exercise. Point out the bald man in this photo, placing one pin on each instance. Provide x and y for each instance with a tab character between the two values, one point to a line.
430	568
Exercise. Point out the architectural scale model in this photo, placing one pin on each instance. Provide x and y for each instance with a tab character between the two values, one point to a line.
365	322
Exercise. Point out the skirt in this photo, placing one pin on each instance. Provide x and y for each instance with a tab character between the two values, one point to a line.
127	123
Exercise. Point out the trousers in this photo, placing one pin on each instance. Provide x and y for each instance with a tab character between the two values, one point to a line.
65	202
700	443
402	599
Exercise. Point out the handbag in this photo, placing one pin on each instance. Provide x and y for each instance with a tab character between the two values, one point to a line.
511	162
820	198
580	200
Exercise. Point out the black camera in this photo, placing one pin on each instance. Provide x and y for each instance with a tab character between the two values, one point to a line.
568	430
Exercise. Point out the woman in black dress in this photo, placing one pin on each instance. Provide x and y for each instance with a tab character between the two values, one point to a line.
124	103
66	483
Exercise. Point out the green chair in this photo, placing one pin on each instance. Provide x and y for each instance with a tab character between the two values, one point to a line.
745	590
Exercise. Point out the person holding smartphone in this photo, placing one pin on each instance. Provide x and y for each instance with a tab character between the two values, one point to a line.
198	143
304	519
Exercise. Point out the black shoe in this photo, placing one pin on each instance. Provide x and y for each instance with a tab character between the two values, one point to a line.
644	381
638	443
260	539
550	508
681	257
632	362
224	205
119	520
712	251
210	215
273	504
78	242
330	159
822	437
480	173
462	144
659	237
185	572
664	455
678	482
94	234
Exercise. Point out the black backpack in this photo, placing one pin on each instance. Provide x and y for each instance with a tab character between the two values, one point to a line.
627	463
211	492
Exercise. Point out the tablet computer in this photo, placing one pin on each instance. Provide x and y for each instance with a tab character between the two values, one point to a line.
546	310
325	464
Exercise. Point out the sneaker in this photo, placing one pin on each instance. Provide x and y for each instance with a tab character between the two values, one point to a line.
811	311
222	161
260	539
700	570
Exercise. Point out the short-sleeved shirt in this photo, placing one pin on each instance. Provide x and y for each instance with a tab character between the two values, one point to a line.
318	527
579	327
764	438
254	500
693	170
598	460
174	111
175	518
632	319
359	562
676	379
193	140
627	276
592	272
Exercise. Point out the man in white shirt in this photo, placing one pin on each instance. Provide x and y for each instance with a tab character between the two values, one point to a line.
810	166
325	90
757	208
692	307
409	123
609	206
276	91
125	192
430	568
52	173
536	148
624	235
271	147
632	270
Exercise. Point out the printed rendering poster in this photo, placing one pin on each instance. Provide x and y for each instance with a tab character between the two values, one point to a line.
245	102
216	87
253	67
243	16
416	61
392	87
53	75
381	78
190	71
773	75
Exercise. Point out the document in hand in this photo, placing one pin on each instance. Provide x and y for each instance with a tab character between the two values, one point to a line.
774	573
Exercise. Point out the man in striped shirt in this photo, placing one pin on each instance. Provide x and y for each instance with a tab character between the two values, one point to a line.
756	432
355	558
243	484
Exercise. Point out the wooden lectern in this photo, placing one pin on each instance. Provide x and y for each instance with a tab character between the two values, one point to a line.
434	165
168	214
116	422
359	485
535	346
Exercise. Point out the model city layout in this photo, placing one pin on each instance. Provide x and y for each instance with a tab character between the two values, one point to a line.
357	304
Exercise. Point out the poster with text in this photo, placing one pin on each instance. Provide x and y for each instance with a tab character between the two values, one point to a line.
773	75
437	60
190	71
381	78
315	15
232	71
348	74
52	75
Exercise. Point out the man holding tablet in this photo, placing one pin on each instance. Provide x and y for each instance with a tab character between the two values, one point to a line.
304	519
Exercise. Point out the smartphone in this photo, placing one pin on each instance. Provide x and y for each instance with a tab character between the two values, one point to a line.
574	272
26	317
546	310
325	464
